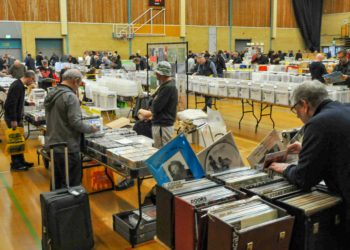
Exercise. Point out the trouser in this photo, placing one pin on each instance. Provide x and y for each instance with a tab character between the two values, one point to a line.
161	135
208	102
75	170
16	160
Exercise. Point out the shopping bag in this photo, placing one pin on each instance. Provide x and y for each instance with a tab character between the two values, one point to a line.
15	141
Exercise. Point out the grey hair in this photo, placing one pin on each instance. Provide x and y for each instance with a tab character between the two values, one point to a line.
72	74
314	92
44	61
29	74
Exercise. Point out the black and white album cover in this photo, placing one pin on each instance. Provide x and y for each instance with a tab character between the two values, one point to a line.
222	155
176	168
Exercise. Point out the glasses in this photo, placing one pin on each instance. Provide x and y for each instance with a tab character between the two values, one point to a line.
293	109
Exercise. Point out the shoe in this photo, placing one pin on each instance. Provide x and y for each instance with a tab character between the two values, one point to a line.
18	168
28	164
125	184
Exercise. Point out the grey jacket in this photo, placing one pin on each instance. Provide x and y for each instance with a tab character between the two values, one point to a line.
64	119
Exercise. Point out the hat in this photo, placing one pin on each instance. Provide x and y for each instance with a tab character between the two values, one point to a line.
163	68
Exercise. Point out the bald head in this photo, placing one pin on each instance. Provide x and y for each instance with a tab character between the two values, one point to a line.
17	63
319	57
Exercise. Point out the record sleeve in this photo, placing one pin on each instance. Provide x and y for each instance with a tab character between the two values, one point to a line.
175	161
222	155
270	144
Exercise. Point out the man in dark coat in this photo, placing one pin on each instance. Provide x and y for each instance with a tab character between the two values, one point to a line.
317	69
14	106
30	63
343	67
324	153
38	59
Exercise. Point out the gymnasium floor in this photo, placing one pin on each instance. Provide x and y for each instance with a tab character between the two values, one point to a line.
20	216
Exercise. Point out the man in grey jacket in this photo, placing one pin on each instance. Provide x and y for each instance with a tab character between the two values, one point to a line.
65	124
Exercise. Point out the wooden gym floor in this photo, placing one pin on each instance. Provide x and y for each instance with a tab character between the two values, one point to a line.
20	216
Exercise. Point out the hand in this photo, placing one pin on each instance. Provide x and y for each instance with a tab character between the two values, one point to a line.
14	125
344	77
278	167
294	148
94	128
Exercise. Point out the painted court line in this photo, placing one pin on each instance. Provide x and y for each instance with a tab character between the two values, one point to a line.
20	210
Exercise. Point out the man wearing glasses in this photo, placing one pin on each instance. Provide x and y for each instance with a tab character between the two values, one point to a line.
325	151
14	106
343	67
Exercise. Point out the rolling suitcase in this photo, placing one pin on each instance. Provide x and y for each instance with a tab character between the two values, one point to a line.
66	221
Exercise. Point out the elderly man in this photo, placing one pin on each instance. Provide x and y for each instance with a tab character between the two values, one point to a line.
46	74
64	124
164	104
324	154
17	70
206	68
14	106
317	69
343	67
260	59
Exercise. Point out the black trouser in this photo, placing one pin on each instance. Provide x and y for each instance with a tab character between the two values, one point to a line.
16	160
75	170
208	102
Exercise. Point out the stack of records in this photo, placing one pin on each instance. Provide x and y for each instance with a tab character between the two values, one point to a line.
242	177
274	190
166	212
35	117
125	222
191	221
318	217
248	224
313	202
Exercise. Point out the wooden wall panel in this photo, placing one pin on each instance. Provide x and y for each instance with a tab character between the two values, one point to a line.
207	12
285	14
97	11
252	13
29	10
336	6
171	12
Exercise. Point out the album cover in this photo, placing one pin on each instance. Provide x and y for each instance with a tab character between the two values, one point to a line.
279	156
175	161
270	144
222	155
176	168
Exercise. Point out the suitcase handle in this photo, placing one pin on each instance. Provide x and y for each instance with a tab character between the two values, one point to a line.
52	163
64	144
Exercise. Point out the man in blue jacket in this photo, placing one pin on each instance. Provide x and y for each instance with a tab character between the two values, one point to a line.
325	151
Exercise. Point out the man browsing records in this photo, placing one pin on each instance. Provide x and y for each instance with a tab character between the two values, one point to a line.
164	105
14	108
65	124
324	153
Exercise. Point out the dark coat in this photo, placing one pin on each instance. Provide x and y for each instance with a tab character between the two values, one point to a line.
30	63
325	151
317	70
164	104
345	70
14	103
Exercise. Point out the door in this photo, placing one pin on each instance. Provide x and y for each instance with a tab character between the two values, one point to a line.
11	47
49	46
241	44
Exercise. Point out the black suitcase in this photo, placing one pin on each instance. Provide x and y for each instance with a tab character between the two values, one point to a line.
66	220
